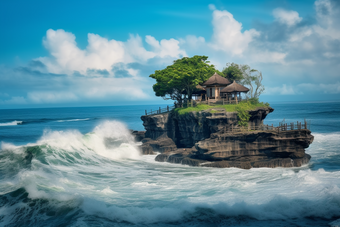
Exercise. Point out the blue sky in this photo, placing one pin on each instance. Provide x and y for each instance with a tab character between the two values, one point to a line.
81	53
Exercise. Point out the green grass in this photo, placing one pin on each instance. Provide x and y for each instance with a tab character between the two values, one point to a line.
242	109
227	107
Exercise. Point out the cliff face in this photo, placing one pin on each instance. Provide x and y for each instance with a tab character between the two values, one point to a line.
204	139
187	129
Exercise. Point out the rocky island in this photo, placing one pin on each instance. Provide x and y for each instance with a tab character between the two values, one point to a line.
217	122
214	138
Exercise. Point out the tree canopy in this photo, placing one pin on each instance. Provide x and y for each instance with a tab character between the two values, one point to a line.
179	80
234	71
244	75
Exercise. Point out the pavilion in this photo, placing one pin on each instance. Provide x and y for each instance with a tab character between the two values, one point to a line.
231	91
214	85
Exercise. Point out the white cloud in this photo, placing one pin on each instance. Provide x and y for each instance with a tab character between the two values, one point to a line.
102	53
228	35
212	7
328	19
117	70
333	88
283	90
304	88
288	17
51	97
165	47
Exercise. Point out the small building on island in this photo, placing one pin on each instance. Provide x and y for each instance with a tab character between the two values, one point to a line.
231	91
214	85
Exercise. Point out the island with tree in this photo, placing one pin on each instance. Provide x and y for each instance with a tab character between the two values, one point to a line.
217	120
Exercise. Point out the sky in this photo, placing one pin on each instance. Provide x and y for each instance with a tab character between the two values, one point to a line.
85	53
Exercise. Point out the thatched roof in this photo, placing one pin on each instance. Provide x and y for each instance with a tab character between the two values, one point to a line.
216	80
199	90
234	87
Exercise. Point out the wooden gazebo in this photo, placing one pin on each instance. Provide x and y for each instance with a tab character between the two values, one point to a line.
214	85
231	91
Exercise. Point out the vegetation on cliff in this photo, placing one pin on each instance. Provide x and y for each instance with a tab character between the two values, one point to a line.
241	108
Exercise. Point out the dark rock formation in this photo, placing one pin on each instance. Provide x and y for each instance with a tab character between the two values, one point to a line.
139	135
205	139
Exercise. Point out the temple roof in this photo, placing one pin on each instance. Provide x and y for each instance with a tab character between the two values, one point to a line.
216	80
234	87
199	90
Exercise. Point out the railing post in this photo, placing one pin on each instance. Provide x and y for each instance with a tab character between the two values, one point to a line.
167	107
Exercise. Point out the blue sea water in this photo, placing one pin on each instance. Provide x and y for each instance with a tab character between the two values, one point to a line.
82	167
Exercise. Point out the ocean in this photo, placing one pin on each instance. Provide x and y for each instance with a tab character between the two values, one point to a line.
82	167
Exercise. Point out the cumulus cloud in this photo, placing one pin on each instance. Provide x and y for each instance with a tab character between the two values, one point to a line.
24	87
282	90
296	56
304	88
228	35
101	53
288	17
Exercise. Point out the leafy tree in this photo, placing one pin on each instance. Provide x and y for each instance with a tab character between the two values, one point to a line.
234	71
244	75
179	80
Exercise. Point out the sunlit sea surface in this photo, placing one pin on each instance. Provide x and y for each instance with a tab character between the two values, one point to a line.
82	167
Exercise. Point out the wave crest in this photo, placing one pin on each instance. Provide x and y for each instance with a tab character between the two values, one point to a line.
12	123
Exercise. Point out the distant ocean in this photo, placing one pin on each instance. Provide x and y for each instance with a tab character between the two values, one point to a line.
83	168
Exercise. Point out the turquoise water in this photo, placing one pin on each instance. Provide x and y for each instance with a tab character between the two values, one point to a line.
83	168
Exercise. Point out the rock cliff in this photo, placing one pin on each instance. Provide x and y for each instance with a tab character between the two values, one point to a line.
204	138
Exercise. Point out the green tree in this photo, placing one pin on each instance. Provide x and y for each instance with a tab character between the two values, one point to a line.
243	74
179	80
234	71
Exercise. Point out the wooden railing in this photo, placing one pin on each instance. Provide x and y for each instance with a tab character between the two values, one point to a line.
220	101
282	127
159	110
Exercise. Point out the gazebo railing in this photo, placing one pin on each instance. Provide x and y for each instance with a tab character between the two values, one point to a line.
219	101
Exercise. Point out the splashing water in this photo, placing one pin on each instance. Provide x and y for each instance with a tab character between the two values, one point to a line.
100	178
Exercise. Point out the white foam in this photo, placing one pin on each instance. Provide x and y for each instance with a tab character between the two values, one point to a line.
7	146
103	175
74	141
12	123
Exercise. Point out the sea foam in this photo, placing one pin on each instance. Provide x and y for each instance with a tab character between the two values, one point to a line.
101	176
12	123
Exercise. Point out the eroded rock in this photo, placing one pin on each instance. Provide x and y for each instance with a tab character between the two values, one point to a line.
205	139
